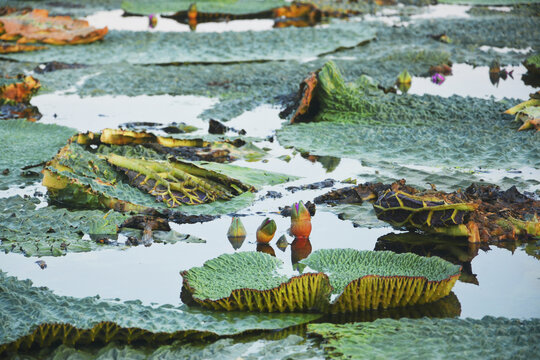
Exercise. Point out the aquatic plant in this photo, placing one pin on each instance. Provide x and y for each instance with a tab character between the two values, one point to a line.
266	231
357	280
358	120
300	220
430	213
532	63
128	176
392	339
25	148
236	233
528	112
19	89
35	316
29	26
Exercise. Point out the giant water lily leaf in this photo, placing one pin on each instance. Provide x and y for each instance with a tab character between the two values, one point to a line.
532	63
489	2
19	89
291	347
105	179
147	48
363	280
15	94
50	230
36	316
24	144
392	339
347	274
457	252
481	213
232	7
37	26
54	231
528	112
356	121
7	48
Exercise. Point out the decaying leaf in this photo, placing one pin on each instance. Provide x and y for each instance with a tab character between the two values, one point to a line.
19	89
482	213
8	48
31	26
357	281
528	112
130	176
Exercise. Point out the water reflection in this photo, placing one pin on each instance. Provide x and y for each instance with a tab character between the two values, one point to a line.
266	248
446	307
456	251
300	249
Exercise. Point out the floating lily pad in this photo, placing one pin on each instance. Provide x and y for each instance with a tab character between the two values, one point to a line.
532	63
232	7
147	48
35	316
357	280
392	339
363	280
291	347
50	230
489	2
356	121
30	26
24	144
104	179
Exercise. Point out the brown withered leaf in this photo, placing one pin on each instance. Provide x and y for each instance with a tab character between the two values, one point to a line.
31	26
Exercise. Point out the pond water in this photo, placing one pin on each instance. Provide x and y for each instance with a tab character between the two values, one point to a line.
499	280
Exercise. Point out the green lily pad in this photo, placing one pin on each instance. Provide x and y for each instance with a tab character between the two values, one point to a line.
147	48
359	122
357	280
32	315
291	347
489	2
392	339
532	63
50	230
84	178
25	143
233	7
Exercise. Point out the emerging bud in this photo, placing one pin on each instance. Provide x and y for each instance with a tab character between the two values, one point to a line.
404	77
192	11
152	21
437	78
300	220
237	228
282	243
266	231
236	233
